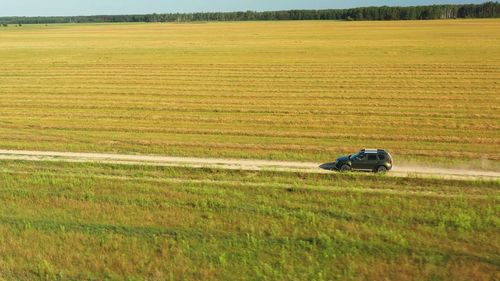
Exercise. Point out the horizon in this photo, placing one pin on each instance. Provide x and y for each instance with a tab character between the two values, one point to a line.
53	8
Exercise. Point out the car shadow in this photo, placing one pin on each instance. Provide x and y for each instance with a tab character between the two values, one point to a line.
328	166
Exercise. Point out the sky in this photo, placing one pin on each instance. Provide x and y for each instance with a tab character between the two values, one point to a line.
113	7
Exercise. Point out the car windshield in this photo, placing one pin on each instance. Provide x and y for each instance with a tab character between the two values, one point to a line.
356	155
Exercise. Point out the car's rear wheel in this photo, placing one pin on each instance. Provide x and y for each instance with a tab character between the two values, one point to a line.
381	169
345	168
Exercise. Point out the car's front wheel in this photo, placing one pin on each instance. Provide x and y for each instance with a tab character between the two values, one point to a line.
381	169
345	168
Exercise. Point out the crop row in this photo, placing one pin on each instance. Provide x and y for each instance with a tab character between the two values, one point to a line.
306	91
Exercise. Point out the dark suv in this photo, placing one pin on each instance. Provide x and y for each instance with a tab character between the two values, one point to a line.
374	160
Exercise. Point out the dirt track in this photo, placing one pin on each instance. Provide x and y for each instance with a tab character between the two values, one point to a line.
235	164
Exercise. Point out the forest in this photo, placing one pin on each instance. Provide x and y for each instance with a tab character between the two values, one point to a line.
485	10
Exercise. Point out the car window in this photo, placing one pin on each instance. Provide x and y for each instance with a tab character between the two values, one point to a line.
358	155
381	157
372	157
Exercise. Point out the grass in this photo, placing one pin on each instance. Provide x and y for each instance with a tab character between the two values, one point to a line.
63	221
308	91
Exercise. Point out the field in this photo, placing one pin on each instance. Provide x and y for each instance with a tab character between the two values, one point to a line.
64	221
427	91
308	91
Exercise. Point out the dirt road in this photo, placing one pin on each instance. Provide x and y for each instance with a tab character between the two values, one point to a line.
235	164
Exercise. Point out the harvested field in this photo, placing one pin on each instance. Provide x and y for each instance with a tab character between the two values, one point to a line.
427	91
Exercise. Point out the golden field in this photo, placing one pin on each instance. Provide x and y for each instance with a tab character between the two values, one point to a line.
428	91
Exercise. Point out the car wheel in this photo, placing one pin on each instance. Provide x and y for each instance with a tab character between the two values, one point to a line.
381	169
345	168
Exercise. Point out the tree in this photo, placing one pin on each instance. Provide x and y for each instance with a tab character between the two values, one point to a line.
485	10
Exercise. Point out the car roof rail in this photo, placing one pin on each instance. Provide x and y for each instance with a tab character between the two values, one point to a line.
372	150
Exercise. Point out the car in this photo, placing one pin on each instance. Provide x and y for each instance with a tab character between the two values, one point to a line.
373	160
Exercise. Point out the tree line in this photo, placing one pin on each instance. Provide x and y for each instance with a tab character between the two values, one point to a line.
485	10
